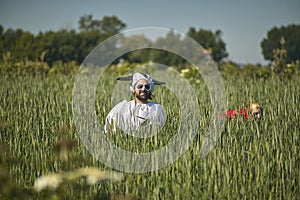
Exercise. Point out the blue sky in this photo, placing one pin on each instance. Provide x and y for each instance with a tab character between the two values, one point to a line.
244	23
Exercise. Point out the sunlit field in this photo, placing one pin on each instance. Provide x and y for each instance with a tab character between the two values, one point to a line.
251	159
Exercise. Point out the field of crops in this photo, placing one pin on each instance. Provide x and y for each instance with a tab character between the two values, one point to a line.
251	159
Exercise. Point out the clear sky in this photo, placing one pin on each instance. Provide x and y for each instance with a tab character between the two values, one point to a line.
244	23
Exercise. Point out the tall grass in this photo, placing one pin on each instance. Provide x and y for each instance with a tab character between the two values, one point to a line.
251	160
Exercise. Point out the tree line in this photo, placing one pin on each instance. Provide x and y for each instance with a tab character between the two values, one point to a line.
67	45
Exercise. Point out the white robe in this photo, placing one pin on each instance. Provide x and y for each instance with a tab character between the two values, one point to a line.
129	116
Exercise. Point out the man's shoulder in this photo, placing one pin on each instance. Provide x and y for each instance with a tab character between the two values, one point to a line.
122	104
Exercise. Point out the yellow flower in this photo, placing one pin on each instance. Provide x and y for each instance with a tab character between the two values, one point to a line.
184	72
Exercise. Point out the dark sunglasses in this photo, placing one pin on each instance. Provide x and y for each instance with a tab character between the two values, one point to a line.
256	113
140	86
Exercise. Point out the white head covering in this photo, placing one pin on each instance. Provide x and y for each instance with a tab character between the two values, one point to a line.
139	76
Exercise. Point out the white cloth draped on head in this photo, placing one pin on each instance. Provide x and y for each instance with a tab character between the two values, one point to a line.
139	76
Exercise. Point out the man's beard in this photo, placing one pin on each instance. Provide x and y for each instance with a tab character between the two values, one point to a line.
143	99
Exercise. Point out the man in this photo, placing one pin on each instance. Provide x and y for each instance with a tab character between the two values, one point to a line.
140	112
255	110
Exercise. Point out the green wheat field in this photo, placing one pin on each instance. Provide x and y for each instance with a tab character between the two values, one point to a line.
251	159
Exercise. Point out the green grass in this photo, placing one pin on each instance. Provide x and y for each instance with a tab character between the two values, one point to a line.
251	160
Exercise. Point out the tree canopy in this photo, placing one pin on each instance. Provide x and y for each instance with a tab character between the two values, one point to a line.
291	35
74	45
70	45
63	45
211	41
108	25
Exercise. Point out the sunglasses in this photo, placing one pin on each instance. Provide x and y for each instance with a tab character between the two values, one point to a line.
140	86
256	113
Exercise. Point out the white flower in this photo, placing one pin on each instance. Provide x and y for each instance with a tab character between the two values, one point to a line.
51	181
94	175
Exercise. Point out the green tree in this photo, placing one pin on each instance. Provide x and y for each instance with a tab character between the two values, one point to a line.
23	48
172	41
211	42
291	34
9	39
108	25
86	23
135	42
93	31
62	45
111	25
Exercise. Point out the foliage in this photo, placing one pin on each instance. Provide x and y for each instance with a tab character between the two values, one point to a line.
58	46
136	55
280	59
172	41
211	41
108	25
16	41
291	34
63	45
293	68
68	45
35	68
280	66
231	70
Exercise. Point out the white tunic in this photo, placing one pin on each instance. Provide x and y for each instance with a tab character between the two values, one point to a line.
129	116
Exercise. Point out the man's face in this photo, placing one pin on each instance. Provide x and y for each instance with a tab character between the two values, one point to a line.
142	90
